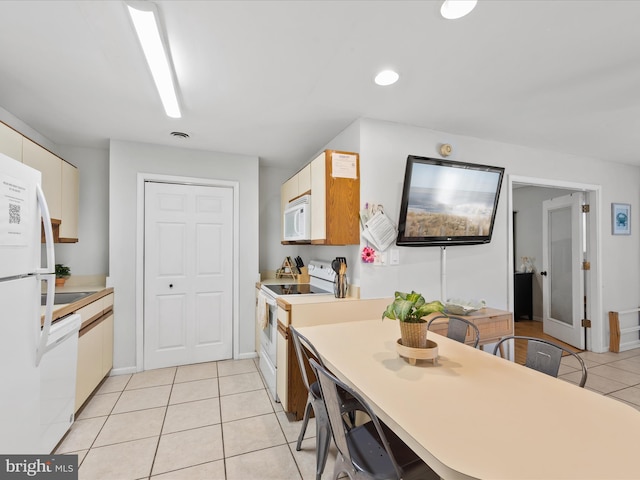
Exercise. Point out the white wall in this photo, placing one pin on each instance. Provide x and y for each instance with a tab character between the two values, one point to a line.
90	256
126	160
272	252
26	130
481	271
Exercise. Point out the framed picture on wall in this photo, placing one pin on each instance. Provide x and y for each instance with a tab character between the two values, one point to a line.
620	219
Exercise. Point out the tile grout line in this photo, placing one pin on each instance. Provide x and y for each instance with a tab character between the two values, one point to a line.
164	418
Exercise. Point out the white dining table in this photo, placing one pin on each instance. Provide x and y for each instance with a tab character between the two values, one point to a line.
475	415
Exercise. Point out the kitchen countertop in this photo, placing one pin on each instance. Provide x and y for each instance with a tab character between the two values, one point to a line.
64	309
286	300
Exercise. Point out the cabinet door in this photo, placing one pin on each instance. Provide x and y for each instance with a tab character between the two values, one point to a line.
70	203
282	376
89	363
282	360
304	180
10	142
51	168
318	199
107	345
258	329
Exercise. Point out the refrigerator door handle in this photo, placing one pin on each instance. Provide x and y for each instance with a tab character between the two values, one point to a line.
45	273
48	232
48	313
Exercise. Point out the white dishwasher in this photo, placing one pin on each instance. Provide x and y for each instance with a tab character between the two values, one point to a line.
58	381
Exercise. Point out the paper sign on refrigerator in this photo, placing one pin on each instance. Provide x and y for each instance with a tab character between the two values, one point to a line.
14	209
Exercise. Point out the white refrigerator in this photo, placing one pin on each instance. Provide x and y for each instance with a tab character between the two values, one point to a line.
38	361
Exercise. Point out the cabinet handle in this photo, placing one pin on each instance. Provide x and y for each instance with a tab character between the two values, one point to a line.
544	274
171	285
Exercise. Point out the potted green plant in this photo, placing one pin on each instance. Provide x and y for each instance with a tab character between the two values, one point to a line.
62	273
409	309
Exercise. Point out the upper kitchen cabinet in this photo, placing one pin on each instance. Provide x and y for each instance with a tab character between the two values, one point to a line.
333	179
10	142
60	184
70	203
335	198
296	186
51	168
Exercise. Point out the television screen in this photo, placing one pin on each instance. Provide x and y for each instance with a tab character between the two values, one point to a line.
447	203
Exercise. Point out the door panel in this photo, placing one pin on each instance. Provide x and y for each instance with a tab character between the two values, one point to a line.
171	319
563	286
188	274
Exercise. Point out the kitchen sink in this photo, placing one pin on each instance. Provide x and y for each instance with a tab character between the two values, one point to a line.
67	297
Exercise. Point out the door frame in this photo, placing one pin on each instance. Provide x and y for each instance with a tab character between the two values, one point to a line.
595	335
143	177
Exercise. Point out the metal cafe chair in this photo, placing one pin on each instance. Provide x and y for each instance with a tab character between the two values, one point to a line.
370	451
545	356
305	352
457	329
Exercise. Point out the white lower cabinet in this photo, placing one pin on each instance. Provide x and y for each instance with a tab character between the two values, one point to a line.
89	364
95	347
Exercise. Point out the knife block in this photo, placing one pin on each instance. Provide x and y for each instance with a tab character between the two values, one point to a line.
304	275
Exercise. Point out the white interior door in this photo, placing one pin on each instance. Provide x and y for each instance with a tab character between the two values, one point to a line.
562	256
188	274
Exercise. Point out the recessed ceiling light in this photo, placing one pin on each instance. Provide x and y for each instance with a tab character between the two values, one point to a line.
454	9
387	77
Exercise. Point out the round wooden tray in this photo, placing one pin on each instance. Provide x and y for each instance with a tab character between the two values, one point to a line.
414	354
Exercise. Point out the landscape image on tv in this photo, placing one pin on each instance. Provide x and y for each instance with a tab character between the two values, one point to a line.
450	202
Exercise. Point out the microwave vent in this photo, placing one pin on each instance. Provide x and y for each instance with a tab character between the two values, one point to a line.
303	200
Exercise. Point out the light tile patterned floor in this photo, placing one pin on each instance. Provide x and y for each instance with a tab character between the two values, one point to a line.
212	421
216	421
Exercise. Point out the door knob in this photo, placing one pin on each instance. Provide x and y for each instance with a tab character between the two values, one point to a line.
544	274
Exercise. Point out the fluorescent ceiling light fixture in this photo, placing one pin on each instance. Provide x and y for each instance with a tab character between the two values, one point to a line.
387	77
454	9
145	21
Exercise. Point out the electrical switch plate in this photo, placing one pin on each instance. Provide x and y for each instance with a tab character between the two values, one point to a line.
380	258
394	256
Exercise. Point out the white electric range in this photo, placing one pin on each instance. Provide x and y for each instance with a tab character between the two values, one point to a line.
321	282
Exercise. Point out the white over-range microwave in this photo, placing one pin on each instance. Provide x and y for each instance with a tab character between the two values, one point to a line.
296	223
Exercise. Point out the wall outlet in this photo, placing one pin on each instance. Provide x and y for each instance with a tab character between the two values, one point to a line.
394	256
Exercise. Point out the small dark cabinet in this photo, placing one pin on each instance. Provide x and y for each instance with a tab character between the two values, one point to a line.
523	301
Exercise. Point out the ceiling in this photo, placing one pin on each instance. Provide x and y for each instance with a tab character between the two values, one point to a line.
279	79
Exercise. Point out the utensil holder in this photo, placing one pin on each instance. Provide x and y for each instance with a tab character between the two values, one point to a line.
340	286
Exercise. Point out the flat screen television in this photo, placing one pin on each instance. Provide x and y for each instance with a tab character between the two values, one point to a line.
447	203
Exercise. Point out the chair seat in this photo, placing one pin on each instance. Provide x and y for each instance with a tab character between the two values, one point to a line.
370	456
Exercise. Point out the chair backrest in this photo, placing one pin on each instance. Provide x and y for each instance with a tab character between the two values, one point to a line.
329	385
457	329
304	351
545	356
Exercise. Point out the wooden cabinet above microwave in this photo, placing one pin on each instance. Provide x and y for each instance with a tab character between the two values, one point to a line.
334	181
